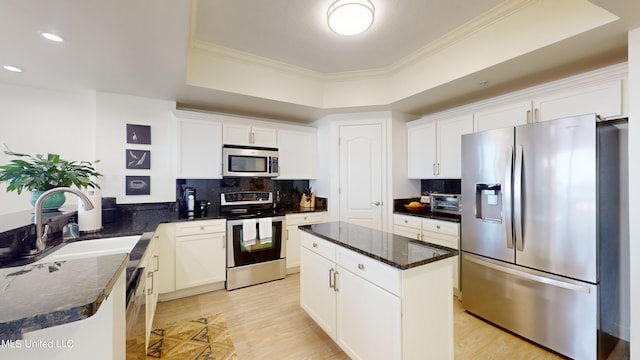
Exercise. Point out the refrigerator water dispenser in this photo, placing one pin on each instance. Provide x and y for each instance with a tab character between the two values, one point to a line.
489	202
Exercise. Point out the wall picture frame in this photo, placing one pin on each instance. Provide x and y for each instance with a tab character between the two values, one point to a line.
138	159
138	185
138	134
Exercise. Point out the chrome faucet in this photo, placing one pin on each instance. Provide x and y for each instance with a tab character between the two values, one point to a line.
41	238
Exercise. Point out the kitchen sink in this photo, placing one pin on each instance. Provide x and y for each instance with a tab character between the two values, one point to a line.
91	248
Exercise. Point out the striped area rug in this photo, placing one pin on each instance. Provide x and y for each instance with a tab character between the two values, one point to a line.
203	338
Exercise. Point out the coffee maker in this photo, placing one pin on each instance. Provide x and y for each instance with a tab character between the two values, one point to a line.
190	201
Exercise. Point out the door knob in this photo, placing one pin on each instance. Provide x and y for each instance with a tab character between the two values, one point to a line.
377	203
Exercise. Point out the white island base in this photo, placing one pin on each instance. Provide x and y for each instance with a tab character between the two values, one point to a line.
373	310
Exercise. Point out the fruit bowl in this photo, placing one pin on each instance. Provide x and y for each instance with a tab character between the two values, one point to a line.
415	208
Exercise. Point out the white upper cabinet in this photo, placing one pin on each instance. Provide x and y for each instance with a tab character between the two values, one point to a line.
513	114
434	149
248	135
421	150
604	99
199	149
298	154
449	141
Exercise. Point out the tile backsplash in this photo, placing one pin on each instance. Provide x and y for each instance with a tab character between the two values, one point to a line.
445	186
209	189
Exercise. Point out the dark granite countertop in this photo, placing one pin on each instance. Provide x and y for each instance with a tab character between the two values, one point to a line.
395	250
37	296
59	295
398	208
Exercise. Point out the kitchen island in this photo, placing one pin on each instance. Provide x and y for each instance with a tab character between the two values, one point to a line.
376	294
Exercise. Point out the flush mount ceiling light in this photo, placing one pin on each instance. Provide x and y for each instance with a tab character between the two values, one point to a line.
52	37
12	68
350	17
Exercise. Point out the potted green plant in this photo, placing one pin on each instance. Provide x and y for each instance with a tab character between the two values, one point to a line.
40	173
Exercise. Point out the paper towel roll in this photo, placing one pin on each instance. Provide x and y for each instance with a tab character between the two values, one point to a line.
90	220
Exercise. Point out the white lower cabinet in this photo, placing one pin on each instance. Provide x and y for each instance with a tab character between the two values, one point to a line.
444	233
373	310
200	253
292	222
151	263
369	319
319	301
192	257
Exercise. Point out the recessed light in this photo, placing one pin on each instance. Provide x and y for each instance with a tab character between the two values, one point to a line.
12	68
52	37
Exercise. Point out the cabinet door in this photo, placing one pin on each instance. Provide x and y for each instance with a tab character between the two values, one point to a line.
604	99
200	259
165	237
152	267
199	149
317	298
502	116
265	137
293	248
298	153
421	151
236	134
449	141
369	319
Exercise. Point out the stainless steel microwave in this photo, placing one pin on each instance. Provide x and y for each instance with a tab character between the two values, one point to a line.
244	161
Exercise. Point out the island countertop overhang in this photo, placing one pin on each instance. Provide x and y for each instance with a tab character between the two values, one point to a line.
395	250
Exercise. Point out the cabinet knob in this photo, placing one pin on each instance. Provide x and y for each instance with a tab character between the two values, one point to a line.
361	266
201	227
305	218
438	227
315	245
406	221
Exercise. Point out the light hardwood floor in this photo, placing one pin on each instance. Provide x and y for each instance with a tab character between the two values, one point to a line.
266	322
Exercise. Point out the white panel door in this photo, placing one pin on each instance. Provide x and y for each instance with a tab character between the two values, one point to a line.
361	175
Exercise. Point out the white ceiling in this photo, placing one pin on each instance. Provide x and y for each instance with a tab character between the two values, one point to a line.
141	47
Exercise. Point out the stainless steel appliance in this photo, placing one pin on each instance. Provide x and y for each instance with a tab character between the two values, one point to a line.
136	316
539	223
256	246
446	203
243	161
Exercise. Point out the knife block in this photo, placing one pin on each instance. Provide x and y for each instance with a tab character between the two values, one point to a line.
308	202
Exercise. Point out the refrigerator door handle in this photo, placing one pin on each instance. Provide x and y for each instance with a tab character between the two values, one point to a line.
527	276
517	199
506	203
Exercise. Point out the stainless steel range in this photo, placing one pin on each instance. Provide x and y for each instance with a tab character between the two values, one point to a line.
256	246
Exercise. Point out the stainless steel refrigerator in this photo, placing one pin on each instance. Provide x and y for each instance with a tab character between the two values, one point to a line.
538	226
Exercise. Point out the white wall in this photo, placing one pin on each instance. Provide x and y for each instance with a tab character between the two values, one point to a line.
88	126
634	191
39	121
114	112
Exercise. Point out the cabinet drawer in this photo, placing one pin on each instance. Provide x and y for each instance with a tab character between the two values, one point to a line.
369	269
442	239
200	227
305	219
408	221
443	227
318	246
409	232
